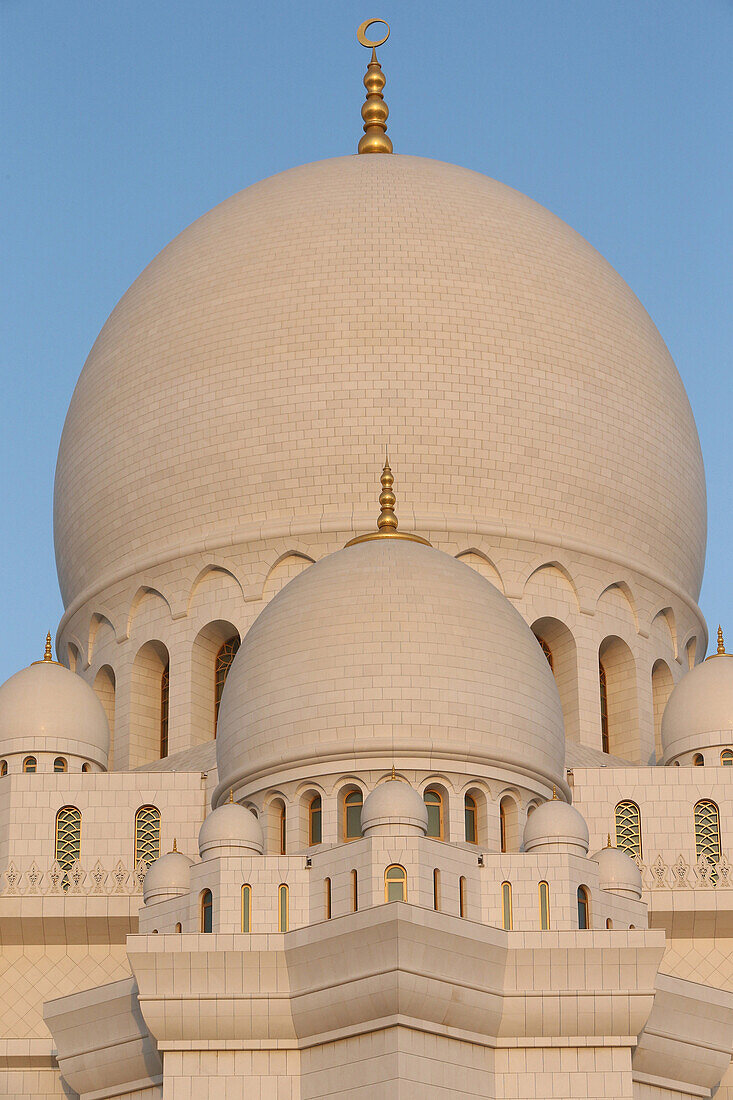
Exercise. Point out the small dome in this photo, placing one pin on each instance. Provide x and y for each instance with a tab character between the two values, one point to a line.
556	827
168	877
389	648
699	712
230	830
618	872
396	808
45	708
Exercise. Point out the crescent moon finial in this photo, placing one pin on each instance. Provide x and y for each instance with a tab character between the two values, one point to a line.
361	33
375	111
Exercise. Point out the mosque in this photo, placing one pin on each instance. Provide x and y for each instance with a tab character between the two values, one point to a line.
312	806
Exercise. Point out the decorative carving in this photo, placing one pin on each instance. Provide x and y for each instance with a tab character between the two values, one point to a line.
76	876
12	877
138	876
56	879
658	871
680	872
34	878
725	874
119	878
98	878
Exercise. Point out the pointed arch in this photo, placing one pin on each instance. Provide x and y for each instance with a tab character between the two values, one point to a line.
217	582
551	580
149	704
150	601
664	629
483	564
105	685
207	673
287	566
73	658
101	631
662	685
618	691
617	600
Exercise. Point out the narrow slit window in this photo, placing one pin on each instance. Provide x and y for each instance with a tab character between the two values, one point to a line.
354	892
207	907
246	908
327	898
434	802
283	915
165	681
315	812
471	815
544	906
461	897
222	664
583	907
353	802
506	906
436	889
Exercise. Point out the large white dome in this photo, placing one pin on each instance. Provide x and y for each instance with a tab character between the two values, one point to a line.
389	651
266	347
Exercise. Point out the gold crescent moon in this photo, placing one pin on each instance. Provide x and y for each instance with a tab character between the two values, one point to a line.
361	33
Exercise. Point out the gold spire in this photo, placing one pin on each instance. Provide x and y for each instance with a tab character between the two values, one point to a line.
175	845
48	652
721	643
231	794
374	111
387	522
554	793
608	842
393	772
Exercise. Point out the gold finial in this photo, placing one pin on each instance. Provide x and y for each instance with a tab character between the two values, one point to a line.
554	793
374	111
393	772
387	522
48	652
231	794
721	643
608	842
175	845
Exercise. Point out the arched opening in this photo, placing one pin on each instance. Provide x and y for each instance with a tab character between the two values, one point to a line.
246	908
283	908
213	651
179	927
149	704
327	898
60	765
509	837
315	813
74	657
583	907
726	758
609	923
147	835
86	767
618	696
691	651
436	889
544	891
3	767
433	799
276	821
462	896
30	765
470	810
707	832
395	883
506	906
354	892
352	801
698	760
628	828
558	645
206	905
662	685
104	687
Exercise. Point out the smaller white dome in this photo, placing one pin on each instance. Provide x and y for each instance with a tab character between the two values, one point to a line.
395	808
168	877
229	830
618	873
45	708
556	826
699	712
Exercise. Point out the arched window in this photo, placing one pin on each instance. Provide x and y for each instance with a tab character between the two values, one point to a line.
246	908
3	767
544	906
471	815
60	765
434	801
726	758
707	830
603	683
327	898
436	889
353	802
395	883
583	907
502	825
698	760
628	828
179	927
68	837
223	663
207	907
30	765
547	652
165	680
86	767
283	830
461	897
506	906
609	923
283	915
354	892
147	835
314	820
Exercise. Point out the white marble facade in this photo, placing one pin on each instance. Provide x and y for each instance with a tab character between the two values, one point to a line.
406	850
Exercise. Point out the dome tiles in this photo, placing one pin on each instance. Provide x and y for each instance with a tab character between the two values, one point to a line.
490	336
389	650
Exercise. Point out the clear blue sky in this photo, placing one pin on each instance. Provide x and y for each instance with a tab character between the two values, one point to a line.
123	122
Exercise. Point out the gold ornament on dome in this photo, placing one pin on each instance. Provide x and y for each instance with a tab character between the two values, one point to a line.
721	646
47	654
374	111
387	522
